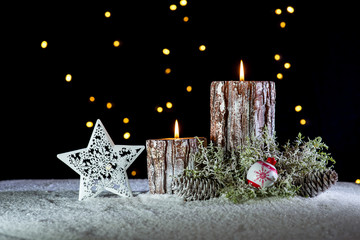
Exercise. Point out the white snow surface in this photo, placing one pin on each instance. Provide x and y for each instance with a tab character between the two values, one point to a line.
49	209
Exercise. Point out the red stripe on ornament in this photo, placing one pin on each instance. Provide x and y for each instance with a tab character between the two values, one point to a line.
268	165
253	184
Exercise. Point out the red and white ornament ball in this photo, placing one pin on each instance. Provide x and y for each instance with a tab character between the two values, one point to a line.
262	174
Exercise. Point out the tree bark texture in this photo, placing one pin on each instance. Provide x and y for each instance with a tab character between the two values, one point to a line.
240	109
167	158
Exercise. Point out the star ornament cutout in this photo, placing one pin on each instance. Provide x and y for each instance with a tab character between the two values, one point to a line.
102	165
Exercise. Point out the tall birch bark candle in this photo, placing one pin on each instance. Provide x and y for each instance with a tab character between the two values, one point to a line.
168	157
240	109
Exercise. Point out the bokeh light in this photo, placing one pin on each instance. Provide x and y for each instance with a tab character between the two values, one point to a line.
189	88
109	105
298	108
186	19
92	99
166	51
279	76
167	70
278	11
283	24
107	14
159	109
277	57
68	77
302	121
169	105
126	135
89	124
202	48
357	181
173	7
183	3
116	43
290	9
287	65
44	44
126	120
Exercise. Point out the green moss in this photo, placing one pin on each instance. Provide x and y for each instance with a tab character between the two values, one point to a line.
294	160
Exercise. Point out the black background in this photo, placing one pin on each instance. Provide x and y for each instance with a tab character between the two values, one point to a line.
44	115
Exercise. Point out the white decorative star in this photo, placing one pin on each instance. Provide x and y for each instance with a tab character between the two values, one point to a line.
102	165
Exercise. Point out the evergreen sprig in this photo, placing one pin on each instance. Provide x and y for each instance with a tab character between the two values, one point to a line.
294	160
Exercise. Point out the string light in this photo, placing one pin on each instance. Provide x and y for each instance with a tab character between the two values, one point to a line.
167	70
202	48
166	51
68	77
283	24
278	11
92	99
302	121
279	76
189	88
277	57
287	65
107	14
169	105
89	124
116	43
109	105
126	135
159	109
126	120
298	108
44	44
183	3
173	7
186	19
290	9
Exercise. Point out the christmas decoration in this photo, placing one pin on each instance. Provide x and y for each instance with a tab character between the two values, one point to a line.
229	168
315	183
102	165
191	188
262	174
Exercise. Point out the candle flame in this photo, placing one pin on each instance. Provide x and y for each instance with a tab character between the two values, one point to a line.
242	77
176	129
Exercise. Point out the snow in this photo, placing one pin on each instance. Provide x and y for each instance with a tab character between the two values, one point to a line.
49	209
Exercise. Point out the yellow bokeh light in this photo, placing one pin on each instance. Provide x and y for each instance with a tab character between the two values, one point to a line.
107	14
89	124
287	65
133	173
92	99
169	105
186	19
302	121
202	48
116	43
278	11
44	44
159	109
298	108
357	181
277	57
189	88
183	3
68	77
109	105
283	24
279	76
126	135
173	7
290	9
166	51
167	70
126	120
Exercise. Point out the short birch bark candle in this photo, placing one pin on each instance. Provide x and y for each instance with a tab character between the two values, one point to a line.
240	109
168	157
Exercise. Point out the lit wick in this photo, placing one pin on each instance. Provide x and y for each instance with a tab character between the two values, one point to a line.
176	129
242	77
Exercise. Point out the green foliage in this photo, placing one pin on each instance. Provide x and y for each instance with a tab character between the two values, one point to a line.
294	160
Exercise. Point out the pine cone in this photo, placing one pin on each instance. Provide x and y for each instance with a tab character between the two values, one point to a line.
191	188
315	183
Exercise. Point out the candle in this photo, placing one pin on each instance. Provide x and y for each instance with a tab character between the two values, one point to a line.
168	157
240	109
